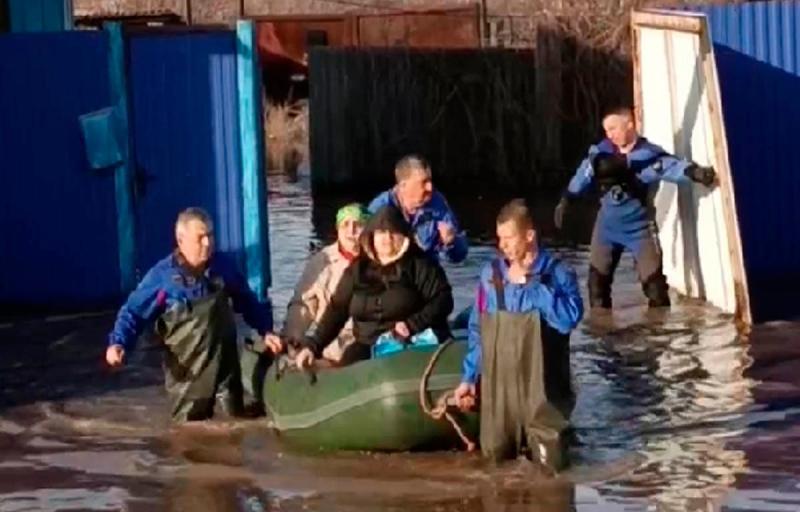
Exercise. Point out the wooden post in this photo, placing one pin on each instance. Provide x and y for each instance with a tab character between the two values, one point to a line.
124	174
251	145
482	23
188	10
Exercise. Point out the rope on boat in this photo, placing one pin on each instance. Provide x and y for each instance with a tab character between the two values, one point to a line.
447	398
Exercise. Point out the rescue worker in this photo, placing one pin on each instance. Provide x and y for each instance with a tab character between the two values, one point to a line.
433	222
187	298
320	279
526	305
623	167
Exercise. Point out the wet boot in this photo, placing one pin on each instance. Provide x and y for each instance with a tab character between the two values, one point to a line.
549	452
230	392
599	289
657	291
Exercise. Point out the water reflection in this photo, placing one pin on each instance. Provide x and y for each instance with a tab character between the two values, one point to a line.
676	392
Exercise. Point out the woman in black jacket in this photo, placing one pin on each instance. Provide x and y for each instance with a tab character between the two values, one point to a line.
391	286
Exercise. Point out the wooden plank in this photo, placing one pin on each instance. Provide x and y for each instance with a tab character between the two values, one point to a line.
668	20
638	105
743	314
251	145
697	24
124	174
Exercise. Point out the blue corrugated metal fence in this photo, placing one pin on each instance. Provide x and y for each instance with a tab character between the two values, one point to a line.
757	50
76	236
57	217
185	128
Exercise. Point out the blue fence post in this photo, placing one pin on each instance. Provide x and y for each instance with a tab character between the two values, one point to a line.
123	175
40	15
251	133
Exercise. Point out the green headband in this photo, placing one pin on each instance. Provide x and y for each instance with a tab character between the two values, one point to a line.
352	211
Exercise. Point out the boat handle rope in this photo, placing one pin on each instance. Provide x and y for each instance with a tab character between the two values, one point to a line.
445	400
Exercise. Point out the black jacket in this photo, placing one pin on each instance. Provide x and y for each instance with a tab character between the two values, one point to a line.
413	289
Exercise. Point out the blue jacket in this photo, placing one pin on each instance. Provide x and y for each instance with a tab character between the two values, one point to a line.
424	224
552	290
623	217
168	283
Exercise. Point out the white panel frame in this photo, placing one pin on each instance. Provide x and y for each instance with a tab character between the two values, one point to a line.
677	97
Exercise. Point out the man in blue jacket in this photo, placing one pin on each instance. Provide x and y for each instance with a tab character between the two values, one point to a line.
526	306
623	167
187	298
434	224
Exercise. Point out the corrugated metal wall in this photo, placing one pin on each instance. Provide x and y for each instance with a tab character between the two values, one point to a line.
60	220
186	133
57	217
433	28
473	113
287	35
757	50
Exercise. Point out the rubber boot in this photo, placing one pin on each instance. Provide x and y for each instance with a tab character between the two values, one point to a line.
599	289
657	291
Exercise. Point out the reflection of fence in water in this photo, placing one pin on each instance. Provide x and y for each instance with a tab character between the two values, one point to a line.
677	393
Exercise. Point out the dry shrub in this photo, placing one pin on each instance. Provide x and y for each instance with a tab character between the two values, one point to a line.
584	54
596	44
595	40
286	136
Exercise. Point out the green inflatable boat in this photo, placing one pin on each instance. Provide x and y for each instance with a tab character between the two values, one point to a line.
372	405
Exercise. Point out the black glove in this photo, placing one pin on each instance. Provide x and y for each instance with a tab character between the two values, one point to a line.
561	208
705	175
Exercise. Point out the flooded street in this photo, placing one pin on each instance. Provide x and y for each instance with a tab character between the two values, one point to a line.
676	411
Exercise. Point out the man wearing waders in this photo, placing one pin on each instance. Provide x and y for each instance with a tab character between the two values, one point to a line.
187	297
623	167
526	305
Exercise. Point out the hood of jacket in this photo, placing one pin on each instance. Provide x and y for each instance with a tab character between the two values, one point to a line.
388	218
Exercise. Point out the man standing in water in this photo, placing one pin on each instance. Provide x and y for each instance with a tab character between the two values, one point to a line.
187	296
526	306
624	166
426	210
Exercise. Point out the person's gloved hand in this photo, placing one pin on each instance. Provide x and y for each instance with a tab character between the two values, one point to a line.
558	214
705	175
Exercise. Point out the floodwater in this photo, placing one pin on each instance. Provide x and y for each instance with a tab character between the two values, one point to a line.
676	411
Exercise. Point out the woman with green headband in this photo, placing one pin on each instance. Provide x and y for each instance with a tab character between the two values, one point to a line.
320	278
